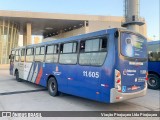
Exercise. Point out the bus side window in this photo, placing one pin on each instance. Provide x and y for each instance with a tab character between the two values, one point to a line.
93	51
82	46
39	54
29	54
52	54
22	55
103	44
17	56
68	53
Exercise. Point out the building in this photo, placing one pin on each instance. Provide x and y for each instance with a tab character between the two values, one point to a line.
50	25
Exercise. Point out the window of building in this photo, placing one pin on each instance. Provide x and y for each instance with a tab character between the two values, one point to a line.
68	53
93	52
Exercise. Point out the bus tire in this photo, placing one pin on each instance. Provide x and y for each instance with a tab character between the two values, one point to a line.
17	76
153	81
52	86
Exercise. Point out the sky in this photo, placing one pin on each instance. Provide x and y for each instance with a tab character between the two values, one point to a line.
149	9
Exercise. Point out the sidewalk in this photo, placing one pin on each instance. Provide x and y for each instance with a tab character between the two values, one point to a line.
4	66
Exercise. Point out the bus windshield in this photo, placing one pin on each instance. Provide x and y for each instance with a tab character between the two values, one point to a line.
133	46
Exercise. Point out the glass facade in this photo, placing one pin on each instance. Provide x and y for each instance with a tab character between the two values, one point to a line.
9	35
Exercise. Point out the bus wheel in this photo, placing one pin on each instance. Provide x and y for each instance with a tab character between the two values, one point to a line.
17	76
52	87
153	81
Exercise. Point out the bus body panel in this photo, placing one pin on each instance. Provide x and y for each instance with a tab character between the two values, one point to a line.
153	66
133	76
27	70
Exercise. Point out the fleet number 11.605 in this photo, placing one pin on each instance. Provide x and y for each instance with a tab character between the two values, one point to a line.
91	74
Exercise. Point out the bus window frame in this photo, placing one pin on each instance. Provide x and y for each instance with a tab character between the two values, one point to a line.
95	37
17	55
40	53
58	48
23	55
33	50
72	41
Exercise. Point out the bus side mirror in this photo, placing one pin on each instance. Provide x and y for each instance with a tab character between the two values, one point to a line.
9	56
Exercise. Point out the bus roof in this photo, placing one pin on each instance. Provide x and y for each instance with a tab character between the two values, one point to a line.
82	36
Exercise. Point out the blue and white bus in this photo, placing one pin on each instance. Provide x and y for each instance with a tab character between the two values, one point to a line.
108	66
154	64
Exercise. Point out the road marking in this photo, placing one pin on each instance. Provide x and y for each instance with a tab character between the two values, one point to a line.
19	92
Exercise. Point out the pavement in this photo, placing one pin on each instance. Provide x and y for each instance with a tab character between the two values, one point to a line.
25	96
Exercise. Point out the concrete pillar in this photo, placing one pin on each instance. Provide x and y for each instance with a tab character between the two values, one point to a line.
27	36
24	39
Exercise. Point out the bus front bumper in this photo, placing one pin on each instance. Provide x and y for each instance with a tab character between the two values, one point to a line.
116	96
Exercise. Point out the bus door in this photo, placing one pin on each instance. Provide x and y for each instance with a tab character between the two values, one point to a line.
132	63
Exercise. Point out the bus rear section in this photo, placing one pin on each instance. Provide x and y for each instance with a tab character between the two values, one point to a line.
131	68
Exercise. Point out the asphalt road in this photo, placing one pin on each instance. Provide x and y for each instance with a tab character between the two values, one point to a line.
25	96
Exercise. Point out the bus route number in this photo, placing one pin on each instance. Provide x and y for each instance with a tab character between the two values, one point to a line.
91	74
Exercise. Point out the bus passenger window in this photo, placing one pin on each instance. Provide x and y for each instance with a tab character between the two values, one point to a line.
82	46
93	52
68	54
37	50
29	54
17	56
39	56
50	49
42	50
103	44
52	54
22	55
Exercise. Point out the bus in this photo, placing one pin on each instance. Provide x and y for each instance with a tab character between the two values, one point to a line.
107	66
154	65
